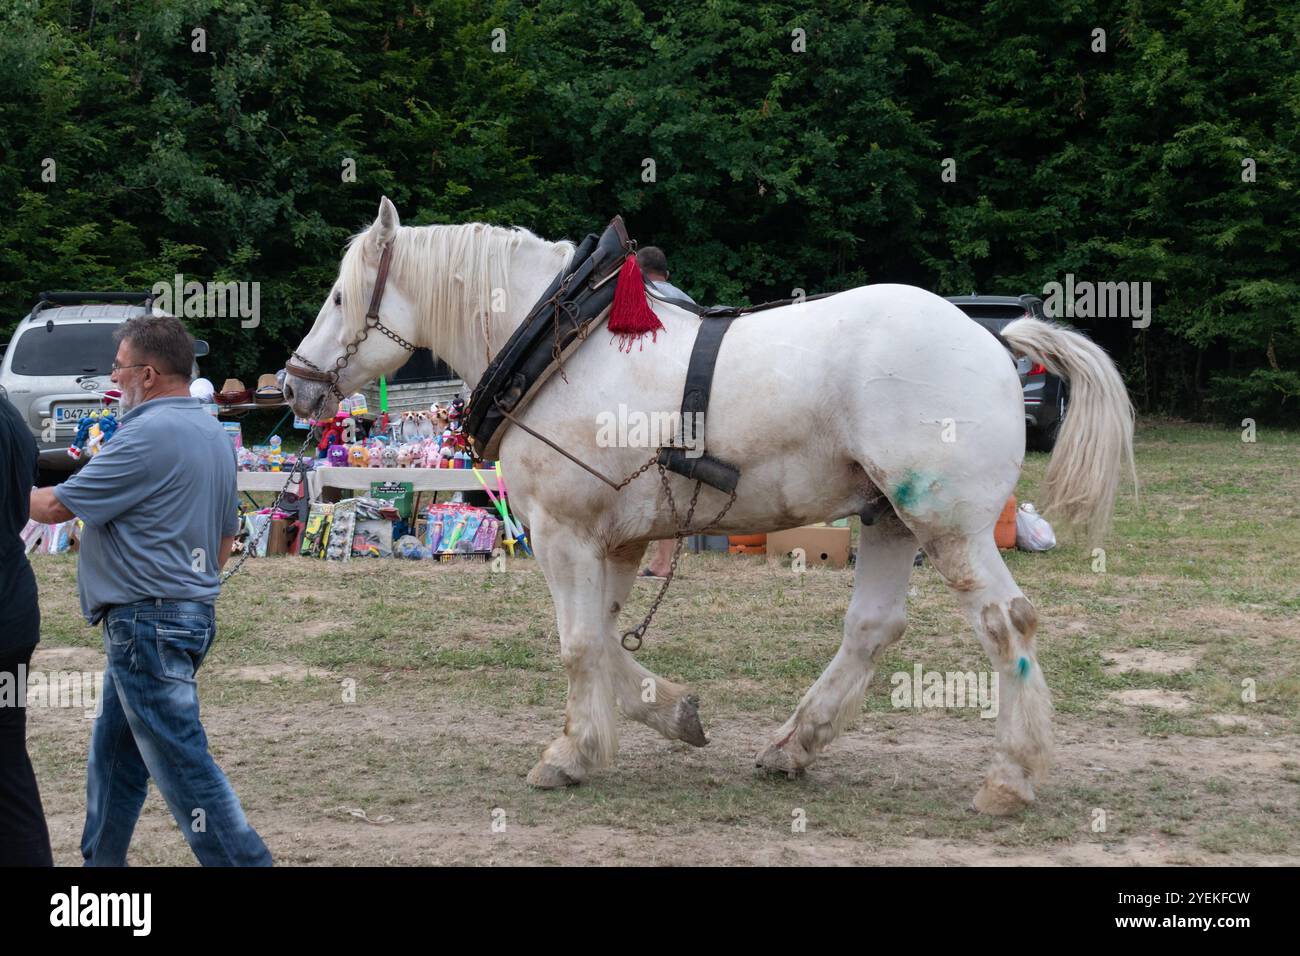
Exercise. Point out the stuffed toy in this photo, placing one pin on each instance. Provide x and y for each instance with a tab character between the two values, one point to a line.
447	450
410	429
332	434
441	419
77	448
92	431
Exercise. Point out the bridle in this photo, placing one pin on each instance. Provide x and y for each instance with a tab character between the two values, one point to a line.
308	371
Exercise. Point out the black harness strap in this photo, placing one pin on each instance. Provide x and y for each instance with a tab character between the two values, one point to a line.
692	461
714	322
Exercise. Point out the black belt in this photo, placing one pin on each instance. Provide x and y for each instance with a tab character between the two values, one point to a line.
154	602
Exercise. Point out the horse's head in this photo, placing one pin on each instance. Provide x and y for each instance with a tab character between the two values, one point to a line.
459	290
315	379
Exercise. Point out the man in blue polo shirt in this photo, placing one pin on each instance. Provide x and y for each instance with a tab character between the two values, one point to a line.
160	507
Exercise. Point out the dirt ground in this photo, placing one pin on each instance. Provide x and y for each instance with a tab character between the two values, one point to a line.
458	688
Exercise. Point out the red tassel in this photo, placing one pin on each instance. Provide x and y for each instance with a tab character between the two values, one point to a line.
631	316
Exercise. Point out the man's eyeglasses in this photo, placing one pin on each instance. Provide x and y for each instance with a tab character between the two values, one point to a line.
117	368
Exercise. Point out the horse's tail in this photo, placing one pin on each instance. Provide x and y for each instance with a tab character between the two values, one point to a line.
1095	441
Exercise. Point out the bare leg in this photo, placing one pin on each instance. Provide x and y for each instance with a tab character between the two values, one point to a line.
662	561
876	618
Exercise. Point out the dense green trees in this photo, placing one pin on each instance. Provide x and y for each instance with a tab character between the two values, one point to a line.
793	145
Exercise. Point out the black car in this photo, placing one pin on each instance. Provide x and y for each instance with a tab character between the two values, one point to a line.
1046	396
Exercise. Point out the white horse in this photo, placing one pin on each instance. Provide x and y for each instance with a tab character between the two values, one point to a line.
883	390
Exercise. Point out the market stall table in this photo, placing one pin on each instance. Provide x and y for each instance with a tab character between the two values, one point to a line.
272	481
326	483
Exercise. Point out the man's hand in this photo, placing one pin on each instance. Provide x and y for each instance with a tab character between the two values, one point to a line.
226	545
48	509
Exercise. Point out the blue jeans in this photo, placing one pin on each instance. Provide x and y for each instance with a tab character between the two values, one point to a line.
149	727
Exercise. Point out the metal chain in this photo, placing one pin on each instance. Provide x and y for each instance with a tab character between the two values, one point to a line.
633	639
570	311
637	474
251	546
392	335
342	361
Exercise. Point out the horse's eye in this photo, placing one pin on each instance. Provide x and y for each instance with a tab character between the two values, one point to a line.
338	298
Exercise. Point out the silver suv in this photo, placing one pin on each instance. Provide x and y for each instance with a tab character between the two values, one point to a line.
58	361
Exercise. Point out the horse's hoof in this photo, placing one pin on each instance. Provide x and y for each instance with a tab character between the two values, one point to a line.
547	776
1002	798
777	760
687	720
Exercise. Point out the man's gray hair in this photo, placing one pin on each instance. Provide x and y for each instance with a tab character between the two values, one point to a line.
160	341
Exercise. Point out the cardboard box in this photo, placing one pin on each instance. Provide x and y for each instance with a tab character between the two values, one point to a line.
280	536
822	546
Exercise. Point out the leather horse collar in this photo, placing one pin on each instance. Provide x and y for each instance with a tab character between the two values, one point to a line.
574	303
308	371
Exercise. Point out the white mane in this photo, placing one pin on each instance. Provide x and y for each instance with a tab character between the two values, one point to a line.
449	273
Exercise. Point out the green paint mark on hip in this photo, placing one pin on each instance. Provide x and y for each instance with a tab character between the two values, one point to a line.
908	491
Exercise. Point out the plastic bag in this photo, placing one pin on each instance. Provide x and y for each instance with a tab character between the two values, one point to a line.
1033	533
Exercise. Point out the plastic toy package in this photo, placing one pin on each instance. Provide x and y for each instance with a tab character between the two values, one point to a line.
373	539
413	439
255	528
408	546
55	538
459	529
317	529
342	527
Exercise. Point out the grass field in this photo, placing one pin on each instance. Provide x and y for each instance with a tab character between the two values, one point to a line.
459	687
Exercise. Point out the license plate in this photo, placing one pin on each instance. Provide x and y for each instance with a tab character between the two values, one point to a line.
71	414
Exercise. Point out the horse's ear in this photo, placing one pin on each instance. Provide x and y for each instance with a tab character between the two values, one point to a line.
386	224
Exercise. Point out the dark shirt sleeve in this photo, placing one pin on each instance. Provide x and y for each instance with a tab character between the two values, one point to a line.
114	481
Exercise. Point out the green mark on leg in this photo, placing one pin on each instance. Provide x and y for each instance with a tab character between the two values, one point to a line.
1024	667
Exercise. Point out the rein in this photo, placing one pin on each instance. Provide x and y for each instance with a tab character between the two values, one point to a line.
309	371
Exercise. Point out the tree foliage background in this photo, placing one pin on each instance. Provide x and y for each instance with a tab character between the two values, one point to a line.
775	168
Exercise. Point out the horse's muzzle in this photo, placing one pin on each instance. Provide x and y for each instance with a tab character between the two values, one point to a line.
313	400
